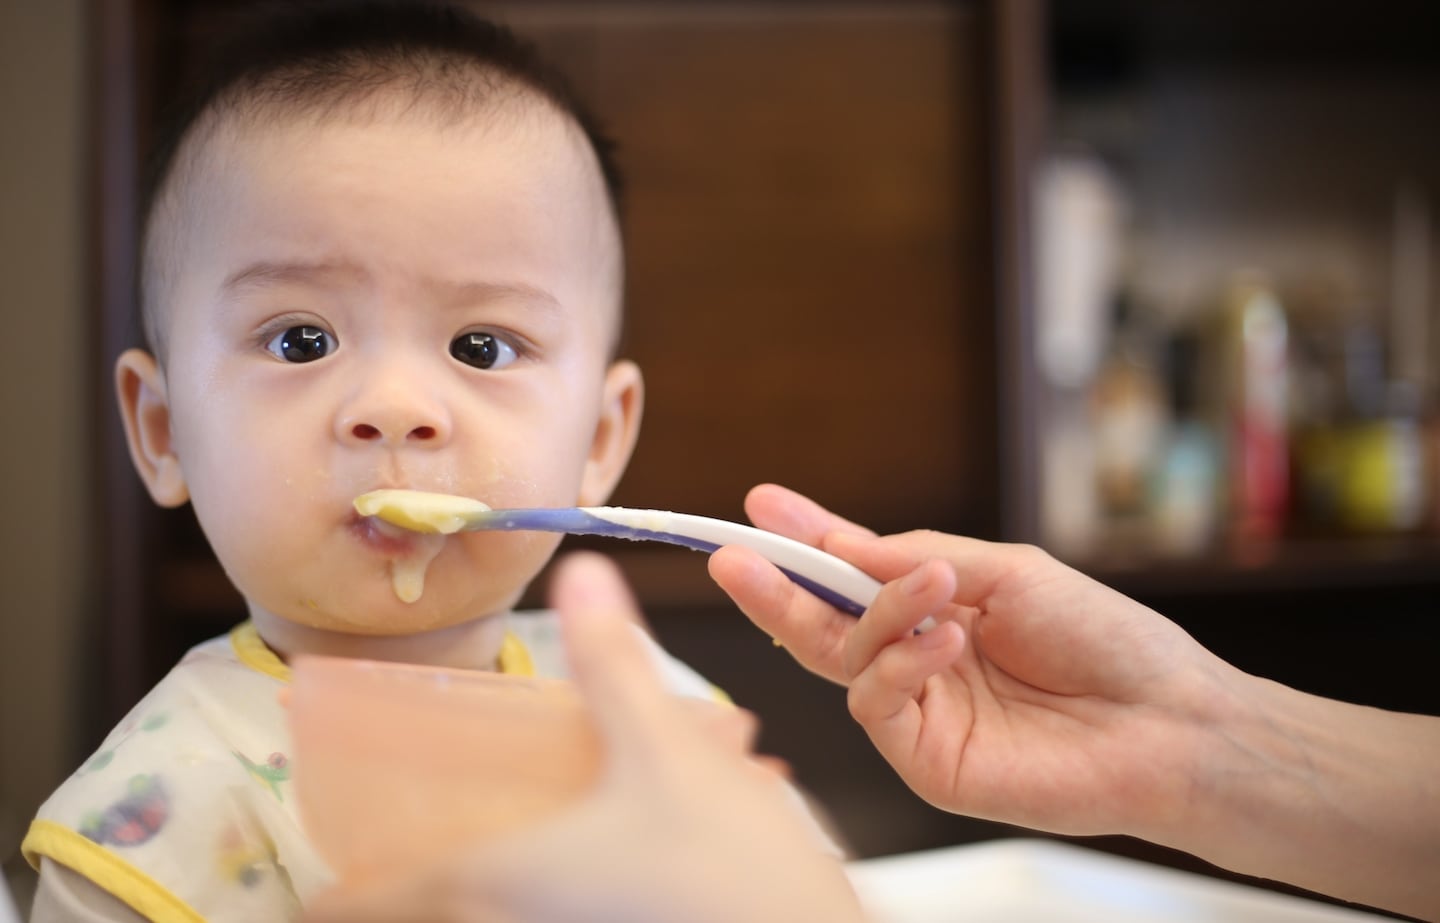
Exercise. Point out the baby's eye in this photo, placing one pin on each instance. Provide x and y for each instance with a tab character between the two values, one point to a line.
482	350
303	343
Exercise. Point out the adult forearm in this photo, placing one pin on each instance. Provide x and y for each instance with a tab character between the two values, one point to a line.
1337	798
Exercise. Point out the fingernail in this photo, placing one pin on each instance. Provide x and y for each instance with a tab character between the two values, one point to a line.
915	582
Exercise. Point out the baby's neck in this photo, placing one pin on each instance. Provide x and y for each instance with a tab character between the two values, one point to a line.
473	645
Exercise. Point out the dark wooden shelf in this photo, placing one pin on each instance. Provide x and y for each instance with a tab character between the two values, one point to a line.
1291	564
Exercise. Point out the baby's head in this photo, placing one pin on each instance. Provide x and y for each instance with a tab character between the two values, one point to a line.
383	252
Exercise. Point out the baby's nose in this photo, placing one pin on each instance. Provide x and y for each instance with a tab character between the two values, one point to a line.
367	432
394	415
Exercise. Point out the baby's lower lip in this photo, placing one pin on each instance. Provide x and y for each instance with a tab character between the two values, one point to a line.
384	537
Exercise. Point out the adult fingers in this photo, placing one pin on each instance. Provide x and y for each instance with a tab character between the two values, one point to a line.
347	904
813	631
775	765
898	610
448	893
980	567
902	702
882	694
780	509
733	728
607	656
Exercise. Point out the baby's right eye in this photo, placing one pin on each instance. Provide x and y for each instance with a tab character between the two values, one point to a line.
302	343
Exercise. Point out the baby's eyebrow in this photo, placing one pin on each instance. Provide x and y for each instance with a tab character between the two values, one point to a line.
468	293
264	273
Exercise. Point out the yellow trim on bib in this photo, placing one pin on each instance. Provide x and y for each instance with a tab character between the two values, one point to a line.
143	894
252	651
515	657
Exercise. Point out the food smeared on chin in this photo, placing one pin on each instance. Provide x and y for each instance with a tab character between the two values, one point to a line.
432	515
407	574
419	510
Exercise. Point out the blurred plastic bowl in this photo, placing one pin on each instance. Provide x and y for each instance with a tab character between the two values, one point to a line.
397	764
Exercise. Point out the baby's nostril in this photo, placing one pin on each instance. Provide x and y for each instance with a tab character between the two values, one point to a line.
365	431
423	432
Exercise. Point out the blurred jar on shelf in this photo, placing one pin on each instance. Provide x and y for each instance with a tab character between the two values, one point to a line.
1184	490
1383	477
1081	217
1255	370
1362	466
1130	417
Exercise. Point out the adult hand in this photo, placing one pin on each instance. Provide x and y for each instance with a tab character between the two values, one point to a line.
682	826
1041	697
1046	699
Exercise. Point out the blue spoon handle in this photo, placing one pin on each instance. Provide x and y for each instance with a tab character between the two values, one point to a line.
837	582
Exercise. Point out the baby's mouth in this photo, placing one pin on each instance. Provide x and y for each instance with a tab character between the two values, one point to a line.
384	537
409	553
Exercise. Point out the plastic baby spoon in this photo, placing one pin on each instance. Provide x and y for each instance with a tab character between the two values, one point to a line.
837	582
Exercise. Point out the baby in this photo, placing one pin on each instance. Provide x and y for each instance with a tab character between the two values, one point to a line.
383	252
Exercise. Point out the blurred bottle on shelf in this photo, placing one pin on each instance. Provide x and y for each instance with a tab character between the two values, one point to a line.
1080	218
1184	495
1412	333
1323	351
1429	423
1129	418
1383	484
1381	470
1361	463
1382	477
1255	374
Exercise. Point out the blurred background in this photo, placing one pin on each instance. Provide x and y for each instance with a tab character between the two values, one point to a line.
1151	284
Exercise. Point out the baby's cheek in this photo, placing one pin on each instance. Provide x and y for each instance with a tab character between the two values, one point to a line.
535	485
498	566
509	556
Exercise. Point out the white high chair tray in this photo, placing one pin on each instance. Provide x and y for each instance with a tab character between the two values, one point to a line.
1030	880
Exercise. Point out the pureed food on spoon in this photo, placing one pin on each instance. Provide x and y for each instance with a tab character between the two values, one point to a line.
419	510
432	515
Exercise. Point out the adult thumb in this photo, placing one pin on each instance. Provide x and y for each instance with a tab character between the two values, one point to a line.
611	663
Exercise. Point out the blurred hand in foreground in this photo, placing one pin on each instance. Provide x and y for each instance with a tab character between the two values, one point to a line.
683	824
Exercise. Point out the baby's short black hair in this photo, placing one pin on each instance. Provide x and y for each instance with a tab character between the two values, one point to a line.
321	56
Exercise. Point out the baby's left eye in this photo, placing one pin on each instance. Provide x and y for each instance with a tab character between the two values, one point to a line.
482	350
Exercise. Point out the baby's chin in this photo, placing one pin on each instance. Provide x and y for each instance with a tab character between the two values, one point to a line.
383	614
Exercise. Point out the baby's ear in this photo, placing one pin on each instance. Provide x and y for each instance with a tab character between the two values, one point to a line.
145	408
615	433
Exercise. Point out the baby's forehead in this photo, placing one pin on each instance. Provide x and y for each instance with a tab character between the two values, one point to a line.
239	121
225	149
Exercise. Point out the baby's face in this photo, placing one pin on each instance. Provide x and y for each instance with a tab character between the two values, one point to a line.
391	304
